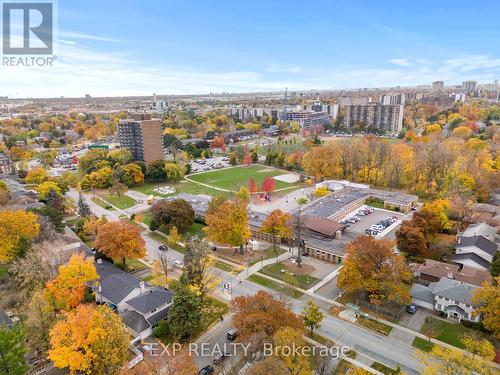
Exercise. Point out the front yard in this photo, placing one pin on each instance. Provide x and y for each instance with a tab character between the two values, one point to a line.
450	333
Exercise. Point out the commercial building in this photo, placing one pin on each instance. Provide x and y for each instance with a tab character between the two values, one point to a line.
469	86
383	117
437	86
143	137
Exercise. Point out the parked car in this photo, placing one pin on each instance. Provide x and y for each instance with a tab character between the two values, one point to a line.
178	264
162	248
412	309
207	370
232	334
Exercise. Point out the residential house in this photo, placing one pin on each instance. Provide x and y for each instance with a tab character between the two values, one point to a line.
5	319
433	271
452	297
141	305
476	246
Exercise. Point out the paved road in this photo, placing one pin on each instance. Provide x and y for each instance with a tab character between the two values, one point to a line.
380	348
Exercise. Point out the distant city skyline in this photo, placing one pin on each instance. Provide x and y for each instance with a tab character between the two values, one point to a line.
193	47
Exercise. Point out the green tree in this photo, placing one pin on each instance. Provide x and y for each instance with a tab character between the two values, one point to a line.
12	351
184	317
312	315
83	207
173	213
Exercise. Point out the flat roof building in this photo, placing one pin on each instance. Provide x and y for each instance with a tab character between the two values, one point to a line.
380	116
309	118
143	137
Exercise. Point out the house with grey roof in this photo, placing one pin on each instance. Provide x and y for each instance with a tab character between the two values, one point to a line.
141	305
452	297
476	246
5	320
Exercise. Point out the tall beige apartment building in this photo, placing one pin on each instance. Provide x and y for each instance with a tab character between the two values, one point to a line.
143	137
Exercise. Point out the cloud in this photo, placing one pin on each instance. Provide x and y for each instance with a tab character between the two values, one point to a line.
77	35
81	70
401	62
284	69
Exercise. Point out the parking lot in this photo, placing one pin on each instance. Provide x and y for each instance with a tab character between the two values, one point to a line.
200	165
367	221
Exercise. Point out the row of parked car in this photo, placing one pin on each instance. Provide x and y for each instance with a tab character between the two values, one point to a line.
200	165
381	225
355	218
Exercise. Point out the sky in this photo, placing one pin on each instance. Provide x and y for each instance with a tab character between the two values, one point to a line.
133	47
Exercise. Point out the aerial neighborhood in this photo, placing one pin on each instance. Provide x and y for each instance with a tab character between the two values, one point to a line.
256	217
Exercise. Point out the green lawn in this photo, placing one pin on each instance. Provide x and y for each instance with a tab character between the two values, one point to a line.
449	333
147	217
3	271
273	285
225	267
303	281
101	203
233	178
132	265
422	344
212	309
122	203
267	254
196	229
148	188
158	237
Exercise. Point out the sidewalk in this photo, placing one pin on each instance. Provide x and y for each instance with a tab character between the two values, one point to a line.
261	264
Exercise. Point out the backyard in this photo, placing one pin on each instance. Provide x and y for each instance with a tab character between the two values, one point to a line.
234	178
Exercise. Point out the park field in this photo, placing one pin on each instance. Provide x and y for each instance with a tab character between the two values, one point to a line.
234	178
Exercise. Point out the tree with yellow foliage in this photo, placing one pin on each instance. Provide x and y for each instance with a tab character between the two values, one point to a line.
89	340
199	263
67	290
120	240
36	175
14	226
277	224
297	362
487	299
372	267
321	191
44	189
445	361
227	222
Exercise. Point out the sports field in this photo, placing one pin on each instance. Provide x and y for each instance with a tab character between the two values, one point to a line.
234	178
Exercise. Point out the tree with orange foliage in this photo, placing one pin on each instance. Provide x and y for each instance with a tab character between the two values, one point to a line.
218	142
67	290
252	186
372	267
89	340
247	156
268	184
262	313
120	240
277	224
227	222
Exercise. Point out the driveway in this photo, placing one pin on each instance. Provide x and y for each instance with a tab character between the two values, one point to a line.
414	321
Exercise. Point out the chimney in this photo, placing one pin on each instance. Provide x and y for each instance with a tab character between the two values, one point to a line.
338	234
142	285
